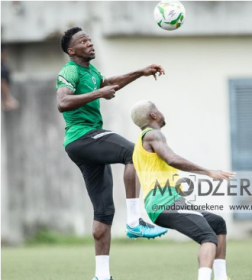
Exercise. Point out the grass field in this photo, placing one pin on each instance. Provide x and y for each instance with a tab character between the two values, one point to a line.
130	260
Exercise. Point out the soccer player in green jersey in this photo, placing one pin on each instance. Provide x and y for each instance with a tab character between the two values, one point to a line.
79	89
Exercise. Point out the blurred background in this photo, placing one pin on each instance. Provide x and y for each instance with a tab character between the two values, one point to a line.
206	96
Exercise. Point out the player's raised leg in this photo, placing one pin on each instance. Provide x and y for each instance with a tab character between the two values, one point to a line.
132	196
106	147
117	149
136	227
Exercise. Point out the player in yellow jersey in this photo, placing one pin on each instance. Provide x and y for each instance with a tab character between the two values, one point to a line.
157	166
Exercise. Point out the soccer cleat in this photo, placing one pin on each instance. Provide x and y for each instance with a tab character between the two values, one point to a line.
227	279
145	230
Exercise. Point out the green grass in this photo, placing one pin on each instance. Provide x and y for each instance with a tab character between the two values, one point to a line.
130	260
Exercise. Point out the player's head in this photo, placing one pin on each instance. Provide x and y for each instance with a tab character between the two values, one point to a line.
76	42
145	113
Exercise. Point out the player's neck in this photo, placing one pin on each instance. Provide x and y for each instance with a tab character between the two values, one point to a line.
152	125
80	61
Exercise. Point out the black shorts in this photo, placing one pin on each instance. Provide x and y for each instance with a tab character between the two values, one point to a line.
93	153
201	226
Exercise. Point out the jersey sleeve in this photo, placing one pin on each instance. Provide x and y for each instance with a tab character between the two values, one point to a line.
68	77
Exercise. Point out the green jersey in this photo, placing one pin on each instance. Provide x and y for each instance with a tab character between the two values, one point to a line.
80	80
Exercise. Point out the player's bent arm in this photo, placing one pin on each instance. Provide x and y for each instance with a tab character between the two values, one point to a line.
126	79
123	80
67	101
160	147
158	144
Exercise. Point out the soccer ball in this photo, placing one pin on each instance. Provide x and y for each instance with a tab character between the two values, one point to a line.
169	15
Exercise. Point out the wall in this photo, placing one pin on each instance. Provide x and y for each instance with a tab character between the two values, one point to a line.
38	20
44	188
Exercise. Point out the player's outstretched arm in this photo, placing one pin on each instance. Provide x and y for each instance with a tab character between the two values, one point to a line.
126	79
67	101
155	141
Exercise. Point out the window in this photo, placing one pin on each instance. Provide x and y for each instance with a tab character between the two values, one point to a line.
240	93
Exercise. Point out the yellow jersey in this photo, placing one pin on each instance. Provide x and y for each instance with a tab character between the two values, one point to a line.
157	179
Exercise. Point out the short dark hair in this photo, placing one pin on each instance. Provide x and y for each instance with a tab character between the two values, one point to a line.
66	38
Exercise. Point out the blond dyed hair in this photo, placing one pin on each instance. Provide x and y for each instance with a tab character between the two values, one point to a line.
140	112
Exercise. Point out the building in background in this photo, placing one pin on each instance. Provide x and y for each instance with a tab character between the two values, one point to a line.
206	95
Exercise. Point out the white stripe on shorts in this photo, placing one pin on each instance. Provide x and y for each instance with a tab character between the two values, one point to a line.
189	212
102	134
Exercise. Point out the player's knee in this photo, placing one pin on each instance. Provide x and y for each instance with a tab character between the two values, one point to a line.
209	237
100	232
221	227
106	219
103	228
128	159
128	155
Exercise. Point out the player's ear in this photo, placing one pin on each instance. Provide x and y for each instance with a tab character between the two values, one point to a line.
71	51
153	116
